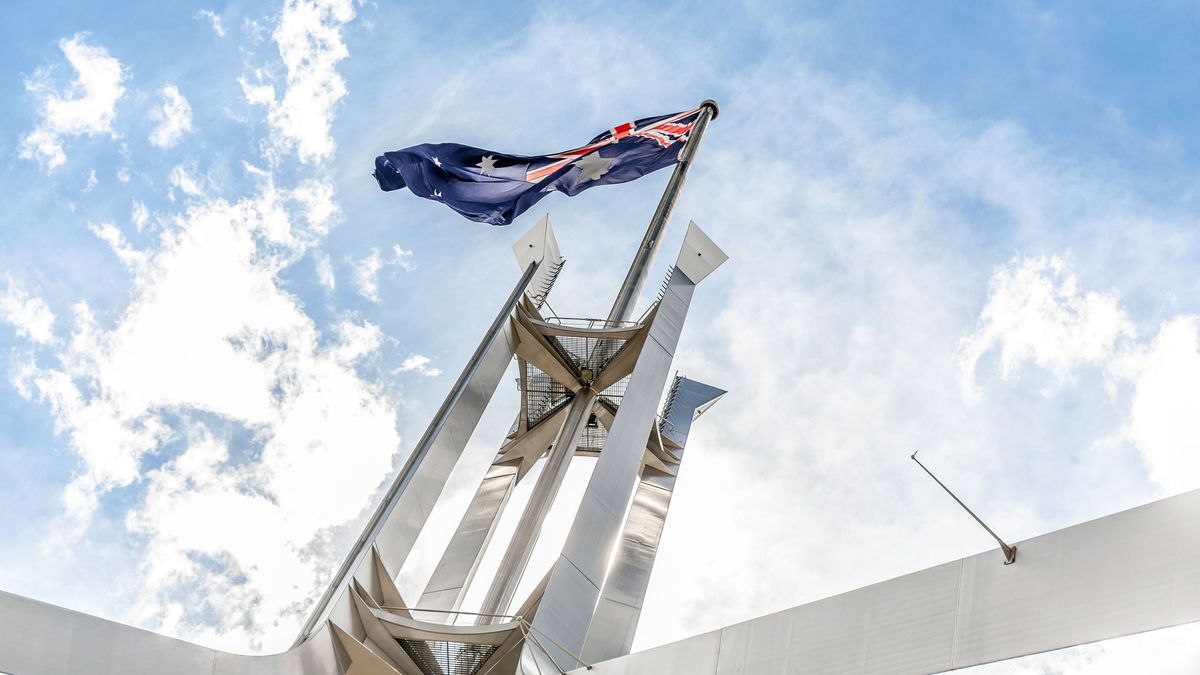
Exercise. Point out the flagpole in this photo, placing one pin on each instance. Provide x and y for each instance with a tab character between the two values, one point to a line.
623	306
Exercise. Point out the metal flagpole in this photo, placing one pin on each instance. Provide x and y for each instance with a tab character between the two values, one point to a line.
623	306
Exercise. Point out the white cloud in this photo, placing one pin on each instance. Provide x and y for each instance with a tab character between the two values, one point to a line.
210	338
182	179
174	118
1036	312
213	19
86	107
325	272
1164	416
402	258
28	314
111	235
366	271
140	215
366	276
309	38
418	364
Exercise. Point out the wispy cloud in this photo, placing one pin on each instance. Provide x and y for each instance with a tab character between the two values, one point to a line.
88	106
366	271
213	19
174	117
420	365
28	314
309	38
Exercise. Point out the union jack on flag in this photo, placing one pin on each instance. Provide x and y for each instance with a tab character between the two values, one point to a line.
495	187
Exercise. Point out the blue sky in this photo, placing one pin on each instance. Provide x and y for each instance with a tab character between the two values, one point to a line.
964	229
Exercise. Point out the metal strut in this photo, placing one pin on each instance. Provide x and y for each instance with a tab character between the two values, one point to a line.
1010	552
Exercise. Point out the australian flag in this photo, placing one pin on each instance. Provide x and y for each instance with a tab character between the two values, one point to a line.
493	187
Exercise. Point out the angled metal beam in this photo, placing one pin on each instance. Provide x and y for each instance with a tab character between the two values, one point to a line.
416	488
620	606
566	612
450	579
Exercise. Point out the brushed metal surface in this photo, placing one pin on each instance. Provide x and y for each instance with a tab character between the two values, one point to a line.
569	602
1130	572
448	584
618	611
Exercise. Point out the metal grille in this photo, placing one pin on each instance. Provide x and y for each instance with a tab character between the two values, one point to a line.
616	391
594	434
588	353
543	394
438	657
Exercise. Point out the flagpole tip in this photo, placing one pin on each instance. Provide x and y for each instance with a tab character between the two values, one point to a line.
711	105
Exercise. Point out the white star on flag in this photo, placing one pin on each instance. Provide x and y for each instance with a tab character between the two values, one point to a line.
486	163
593	166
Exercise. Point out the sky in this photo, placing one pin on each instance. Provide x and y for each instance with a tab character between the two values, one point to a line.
964	229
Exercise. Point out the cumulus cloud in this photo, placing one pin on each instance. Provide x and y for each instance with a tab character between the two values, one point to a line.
418	364
1164	415
174	117
28	315
309	37
1036	312
211	339
88	106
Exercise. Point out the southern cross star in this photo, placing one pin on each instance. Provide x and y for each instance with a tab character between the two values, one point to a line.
593	166
486	163
437	162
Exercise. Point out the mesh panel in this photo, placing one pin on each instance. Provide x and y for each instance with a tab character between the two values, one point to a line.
438	657
543	394
588	352
594	434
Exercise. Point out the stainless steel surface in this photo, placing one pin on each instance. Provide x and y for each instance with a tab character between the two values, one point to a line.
573	590
615	620
1130	572
524	538
635	278
448	584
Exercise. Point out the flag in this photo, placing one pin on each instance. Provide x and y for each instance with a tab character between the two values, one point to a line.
494	187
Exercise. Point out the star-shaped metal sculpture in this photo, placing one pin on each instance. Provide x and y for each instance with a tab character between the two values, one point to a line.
486	163
593	166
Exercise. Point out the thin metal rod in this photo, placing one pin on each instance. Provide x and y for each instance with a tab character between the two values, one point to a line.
623	306
1010	552
375	524
556	643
